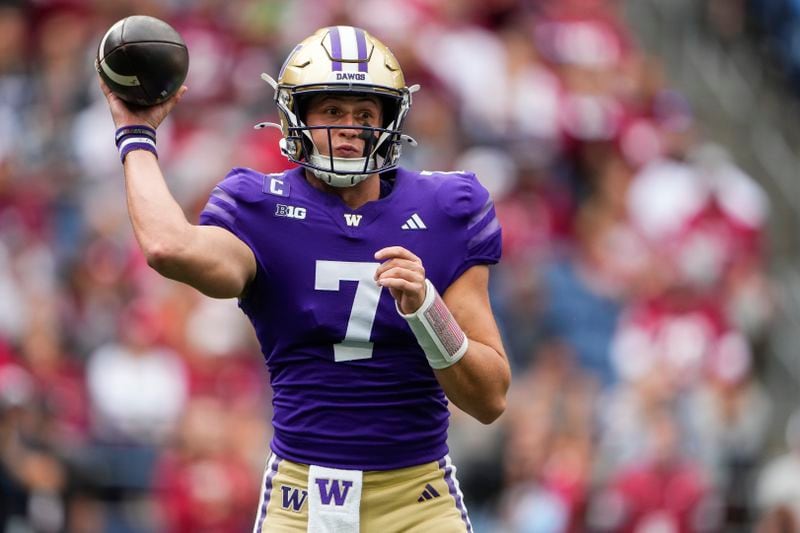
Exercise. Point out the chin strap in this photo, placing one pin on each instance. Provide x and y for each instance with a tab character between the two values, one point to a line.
262	125
409	139
282	143
270	80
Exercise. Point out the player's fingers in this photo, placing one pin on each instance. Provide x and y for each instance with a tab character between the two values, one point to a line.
175	98
400	263
409	295
180	93
104	86
396	252
167	106
402	273
400	284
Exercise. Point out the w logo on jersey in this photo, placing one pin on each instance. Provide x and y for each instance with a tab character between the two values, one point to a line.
337	492
352	219
293	498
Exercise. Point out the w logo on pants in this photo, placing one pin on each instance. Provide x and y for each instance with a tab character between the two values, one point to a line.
336	492
293	498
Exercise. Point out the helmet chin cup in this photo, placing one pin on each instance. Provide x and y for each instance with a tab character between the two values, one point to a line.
340	181
319	164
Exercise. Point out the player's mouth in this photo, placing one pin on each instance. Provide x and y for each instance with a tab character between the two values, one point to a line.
347	150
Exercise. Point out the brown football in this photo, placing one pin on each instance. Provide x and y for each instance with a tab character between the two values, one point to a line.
143	60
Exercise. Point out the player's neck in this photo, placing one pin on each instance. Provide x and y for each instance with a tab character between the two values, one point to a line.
353	197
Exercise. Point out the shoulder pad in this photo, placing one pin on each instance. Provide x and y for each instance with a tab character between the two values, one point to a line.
460	194
244	184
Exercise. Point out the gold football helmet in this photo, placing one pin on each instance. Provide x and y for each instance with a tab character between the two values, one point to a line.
344	60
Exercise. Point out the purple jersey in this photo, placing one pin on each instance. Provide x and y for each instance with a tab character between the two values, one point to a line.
351	386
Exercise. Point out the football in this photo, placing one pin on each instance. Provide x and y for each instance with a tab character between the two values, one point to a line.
143	60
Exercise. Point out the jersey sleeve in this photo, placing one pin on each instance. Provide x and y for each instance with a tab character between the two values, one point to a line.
226	200
465	199
230	206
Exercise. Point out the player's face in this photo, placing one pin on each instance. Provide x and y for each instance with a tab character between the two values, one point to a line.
347	113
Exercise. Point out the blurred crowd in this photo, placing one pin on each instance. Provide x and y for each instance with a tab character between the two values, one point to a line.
777	23
633	294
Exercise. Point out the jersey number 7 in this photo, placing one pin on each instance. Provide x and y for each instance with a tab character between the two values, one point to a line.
328	275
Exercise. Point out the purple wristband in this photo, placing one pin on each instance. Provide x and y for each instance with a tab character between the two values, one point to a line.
135	137
130	143
137	130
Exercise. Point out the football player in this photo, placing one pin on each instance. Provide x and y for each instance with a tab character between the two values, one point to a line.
366	283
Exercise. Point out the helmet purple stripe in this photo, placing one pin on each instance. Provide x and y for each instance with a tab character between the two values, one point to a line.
361	42
286	61
336	48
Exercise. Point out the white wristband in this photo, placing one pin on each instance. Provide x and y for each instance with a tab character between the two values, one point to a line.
437	332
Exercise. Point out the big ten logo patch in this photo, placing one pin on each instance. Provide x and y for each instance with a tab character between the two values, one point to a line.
293	498
290	211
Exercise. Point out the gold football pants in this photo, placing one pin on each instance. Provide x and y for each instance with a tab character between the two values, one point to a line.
418	499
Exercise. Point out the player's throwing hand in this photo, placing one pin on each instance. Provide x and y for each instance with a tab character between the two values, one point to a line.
127	115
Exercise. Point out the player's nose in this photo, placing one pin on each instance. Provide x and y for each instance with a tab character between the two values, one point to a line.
350	126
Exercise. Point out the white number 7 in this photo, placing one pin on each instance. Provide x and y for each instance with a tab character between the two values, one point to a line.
355	344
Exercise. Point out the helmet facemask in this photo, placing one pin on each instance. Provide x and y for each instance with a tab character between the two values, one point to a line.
381	142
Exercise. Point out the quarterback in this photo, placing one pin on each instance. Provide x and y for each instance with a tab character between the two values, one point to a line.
366	283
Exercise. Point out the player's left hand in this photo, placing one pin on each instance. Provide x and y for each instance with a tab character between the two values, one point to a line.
403	274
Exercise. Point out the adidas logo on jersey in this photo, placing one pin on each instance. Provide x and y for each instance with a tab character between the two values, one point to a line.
428	494
415	222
